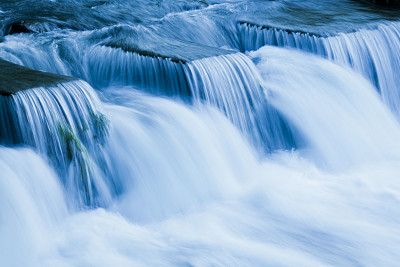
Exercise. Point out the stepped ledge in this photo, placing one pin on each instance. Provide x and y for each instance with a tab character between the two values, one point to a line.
15	78
174	50
267	27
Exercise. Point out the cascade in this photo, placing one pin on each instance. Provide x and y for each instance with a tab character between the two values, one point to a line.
61	118
32	201
197	73
330	106
253	36
231	83
228	81
160	75
374	52
128	55
133	55
162	146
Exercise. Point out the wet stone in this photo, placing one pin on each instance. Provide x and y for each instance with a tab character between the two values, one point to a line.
174	50
15	78
290	31
388	3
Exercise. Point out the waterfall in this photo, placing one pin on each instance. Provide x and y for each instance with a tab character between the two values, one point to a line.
63	122
232	84
252	37
195	73
186	148
372	52
106	65
175	133
190	179
31	201
228	82
344	124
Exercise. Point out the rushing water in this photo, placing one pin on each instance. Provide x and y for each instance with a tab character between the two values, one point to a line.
372	52
191	141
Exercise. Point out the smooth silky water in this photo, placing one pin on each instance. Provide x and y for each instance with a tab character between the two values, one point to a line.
274	157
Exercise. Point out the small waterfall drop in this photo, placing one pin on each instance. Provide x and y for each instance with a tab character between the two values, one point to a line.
253	36
107	65
229	82
64	123
188	149
31	203
232	84
337	111
374	52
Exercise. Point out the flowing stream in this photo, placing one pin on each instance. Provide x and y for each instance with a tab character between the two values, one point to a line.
201	133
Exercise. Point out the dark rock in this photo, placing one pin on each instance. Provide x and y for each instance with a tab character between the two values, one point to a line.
152	45
18	27
280	29
30	26
175	51
15	78
388	3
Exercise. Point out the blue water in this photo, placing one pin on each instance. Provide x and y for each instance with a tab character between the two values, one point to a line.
202	133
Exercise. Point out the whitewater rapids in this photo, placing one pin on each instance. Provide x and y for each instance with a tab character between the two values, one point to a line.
257	156
195	192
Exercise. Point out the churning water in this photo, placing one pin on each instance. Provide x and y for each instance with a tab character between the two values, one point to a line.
201	133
